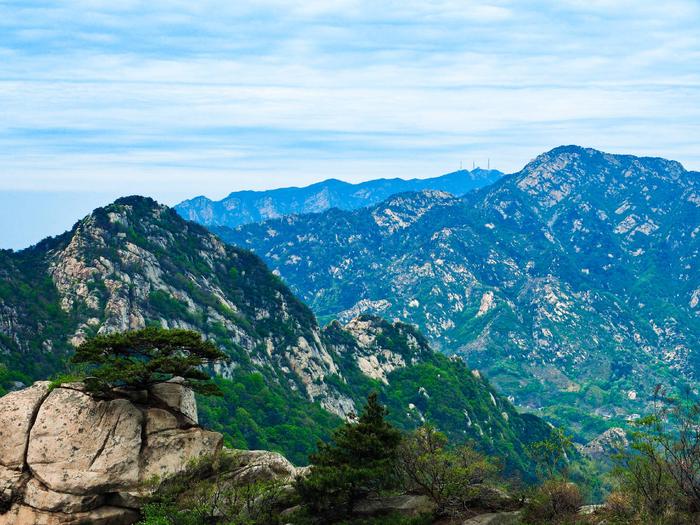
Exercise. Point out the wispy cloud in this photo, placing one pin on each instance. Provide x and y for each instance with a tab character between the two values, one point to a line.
174	98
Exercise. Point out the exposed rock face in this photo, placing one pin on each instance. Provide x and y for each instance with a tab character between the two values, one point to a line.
608	443
78	443
370	351
67	457
17	414
262	465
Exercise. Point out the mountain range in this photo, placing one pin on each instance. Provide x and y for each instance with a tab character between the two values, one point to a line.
573	283
243	207
136	263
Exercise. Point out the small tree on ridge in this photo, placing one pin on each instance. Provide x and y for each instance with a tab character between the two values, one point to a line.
139	359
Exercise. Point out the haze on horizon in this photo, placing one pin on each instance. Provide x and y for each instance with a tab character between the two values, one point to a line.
176	99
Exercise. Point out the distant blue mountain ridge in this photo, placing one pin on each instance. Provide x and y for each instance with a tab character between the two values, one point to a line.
244	207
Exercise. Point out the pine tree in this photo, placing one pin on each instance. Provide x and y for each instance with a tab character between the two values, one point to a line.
138	359
359	461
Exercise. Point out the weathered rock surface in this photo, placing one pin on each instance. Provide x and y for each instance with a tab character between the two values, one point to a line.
262	465
67	457
24	514
79	443
170	450
17	413
177	398
603	447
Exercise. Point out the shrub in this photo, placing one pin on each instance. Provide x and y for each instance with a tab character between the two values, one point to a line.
450	477
556	501
660	471
619	508
208	491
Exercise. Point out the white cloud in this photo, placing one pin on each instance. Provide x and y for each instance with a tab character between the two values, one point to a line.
205	97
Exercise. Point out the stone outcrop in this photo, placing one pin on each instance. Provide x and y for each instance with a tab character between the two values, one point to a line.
262	465
67	457
604	446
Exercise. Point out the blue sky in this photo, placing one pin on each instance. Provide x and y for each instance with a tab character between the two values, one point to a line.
181	98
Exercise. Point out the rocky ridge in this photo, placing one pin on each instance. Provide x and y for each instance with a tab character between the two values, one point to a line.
573	283
136	263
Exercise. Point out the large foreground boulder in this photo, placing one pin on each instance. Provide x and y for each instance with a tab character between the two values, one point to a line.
67	457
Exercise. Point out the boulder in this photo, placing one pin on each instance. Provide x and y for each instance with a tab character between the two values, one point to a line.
69	458
82	445
170	451
158	420
41	497
262	465
17	413
175	396
491	498
587	510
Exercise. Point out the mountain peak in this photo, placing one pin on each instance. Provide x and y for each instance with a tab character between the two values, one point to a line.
571	154
137	200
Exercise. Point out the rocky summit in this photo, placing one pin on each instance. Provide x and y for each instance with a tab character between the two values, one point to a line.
573	284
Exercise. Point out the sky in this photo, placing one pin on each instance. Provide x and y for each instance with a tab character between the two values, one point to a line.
174	99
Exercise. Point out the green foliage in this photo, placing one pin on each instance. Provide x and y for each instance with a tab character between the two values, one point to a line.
358	461
551	454
209	491
256	412
139	359
555	502
167	306
660	471
451	477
